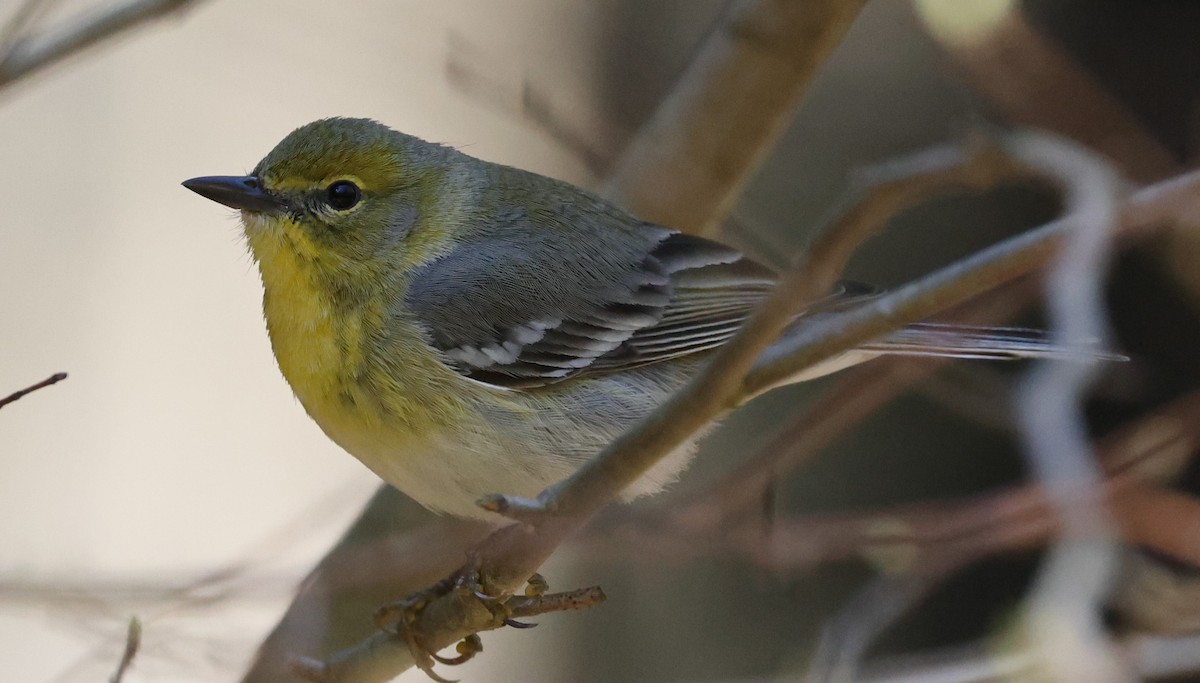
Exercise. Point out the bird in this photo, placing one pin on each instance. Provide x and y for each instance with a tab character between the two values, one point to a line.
467	328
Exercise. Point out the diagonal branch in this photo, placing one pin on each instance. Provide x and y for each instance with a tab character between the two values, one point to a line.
18	395
28	55
730	106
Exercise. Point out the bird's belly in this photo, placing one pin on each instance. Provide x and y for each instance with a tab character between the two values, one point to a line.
516	445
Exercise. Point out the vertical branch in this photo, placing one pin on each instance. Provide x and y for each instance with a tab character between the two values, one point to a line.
1068	636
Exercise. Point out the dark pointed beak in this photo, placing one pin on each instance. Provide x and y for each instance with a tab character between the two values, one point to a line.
238	192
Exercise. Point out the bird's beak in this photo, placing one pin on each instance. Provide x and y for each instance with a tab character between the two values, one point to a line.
238	192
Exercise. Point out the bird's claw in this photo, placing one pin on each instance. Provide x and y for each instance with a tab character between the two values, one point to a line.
399	617
467	648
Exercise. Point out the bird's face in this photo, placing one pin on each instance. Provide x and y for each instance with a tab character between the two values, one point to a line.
340	196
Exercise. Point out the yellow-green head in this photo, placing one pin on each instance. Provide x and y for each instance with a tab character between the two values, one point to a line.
342	194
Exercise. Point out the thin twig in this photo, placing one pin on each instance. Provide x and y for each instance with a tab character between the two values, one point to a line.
29	54
532	606
133	642
17	395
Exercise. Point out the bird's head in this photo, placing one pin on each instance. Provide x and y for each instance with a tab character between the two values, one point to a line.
342	196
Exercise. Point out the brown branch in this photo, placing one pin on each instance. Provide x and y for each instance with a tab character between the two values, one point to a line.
17	395
852	396
29	55
1032	81
961	531
535	605
728	109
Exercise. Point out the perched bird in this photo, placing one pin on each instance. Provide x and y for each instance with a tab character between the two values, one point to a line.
466	328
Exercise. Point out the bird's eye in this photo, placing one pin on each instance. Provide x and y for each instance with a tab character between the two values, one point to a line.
343	195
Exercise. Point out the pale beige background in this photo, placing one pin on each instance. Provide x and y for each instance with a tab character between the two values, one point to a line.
175	448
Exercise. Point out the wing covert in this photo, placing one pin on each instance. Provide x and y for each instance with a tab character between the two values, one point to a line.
615	307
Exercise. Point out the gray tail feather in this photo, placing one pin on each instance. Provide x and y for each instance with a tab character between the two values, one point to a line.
985	342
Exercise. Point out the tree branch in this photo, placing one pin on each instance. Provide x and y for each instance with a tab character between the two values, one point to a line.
735	99
28	55
17	395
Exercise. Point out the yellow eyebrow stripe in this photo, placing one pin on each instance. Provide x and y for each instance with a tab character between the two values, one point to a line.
299	185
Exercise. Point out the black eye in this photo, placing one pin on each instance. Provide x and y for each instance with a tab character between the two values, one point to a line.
343	195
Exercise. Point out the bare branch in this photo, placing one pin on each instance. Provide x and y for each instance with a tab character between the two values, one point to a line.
532	606
728	109
1030	80
30	54
17	395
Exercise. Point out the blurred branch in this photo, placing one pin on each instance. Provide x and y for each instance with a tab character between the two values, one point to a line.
956	532
728	109
20	21
17	395
1151	659
26	55
872	610
482	77
1032	81
393	549
133	641
1061	622
1053	159
852	396
1137	460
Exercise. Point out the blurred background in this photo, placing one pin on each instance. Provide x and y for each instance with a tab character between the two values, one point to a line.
173	476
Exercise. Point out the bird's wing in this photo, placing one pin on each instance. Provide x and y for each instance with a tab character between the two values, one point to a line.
515	314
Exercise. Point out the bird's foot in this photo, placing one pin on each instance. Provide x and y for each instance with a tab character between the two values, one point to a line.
400	617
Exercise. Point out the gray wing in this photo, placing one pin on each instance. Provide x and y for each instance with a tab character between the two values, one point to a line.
639	294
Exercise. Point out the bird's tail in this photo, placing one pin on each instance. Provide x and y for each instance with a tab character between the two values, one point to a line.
953	340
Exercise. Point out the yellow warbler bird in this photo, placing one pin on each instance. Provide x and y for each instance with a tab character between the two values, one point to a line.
466	328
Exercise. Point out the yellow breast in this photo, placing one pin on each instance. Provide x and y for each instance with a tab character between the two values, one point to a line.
370	386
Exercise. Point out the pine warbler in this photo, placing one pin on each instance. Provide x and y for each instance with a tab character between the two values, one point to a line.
466	328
